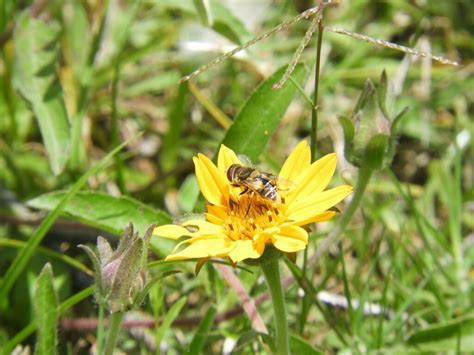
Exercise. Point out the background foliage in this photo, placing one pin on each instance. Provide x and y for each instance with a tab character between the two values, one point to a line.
78	78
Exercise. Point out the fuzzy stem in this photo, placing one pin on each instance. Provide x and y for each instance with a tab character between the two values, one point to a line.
100	329
271	270
114	328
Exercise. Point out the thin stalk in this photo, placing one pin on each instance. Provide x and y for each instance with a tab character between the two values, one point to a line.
454	221
314	109
333	237
115	127
114	328
77	146
306	301
271	270
100	329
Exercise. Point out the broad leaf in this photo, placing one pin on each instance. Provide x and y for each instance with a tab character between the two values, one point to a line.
261	115
46	312
224	22
103	211
298	345
36	48
448	336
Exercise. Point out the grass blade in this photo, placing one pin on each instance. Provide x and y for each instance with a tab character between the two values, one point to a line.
21	260
103	211
30	328
46	312
202	332
170	317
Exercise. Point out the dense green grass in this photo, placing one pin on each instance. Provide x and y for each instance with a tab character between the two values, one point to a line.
96	132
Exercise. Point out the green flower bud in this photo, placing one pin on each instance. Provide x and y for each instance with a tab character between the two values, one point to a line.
370	134
121	275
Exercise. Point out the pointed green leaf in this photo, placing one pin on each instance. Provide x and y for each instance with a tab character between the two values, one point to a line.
298	345
171	315
21	260
382	91
95	263
251	335
204	12
202	332
224	22
36	45
261	115
46	312
349	132
448	336
103	211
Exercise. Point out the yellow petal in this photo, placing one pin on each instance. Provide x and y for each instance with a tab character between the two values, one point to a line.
246	249
201	227
216	214
226	158
322	217
212	182
171	231
314	205
290	238
297	162
204	248
314	179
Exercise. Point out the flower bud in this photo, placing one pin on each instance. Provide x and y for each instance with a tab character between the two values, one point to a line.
121	275
370	134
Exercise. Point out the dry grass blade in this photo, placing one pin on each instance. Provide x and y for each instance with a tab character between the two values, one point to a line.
304	15
381	42
296	57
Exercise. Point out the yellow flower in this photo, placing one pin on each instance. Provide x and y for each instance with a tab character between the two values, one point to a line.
240	225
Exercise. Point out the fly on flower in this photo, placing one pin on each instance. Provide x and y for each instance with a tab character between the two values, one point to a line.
240	226
251	180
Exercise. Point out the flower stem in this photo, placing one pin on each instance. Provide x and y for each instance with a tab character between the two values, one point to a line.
271	270
114	327
100	329
365	174
314	110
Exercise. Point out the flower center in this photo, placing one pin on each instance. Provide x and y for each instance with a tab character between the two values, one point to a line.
250	215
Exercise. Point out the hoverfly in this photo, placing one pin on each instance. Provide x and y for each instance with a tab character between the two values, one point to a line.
250	179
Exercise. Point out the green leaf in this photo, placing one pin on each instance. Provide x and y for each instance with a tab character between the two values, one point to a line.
46	312
349	132
251	335
173	312
103	211
261	115
188	194
202	332
298	345
204	12
382	90
35	77
25	254
153	85
30	328
172	139
224	22
449	336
